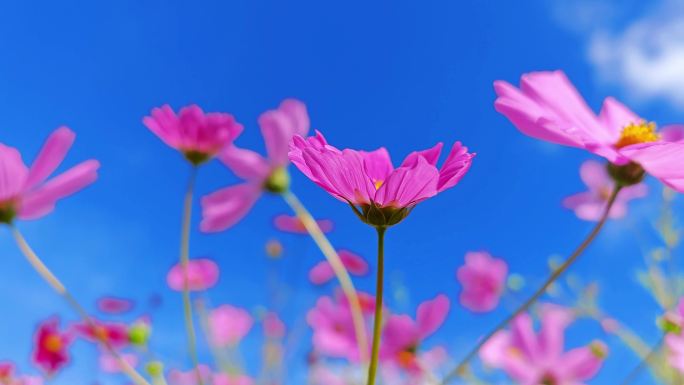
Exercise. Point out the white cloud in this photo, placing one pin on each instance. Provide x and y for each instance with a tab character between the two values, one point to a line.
645	56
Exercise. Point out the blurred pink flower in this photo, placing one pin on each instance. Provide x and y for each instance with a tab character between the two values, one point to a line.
109	364
227	379
333	326
483	279
531	359
368	179
50	352
6	372
274	327
228	325
114	305
323	272
224	208
202	274
548	107
402	336
198	135
116	334
292	224
589	205
25	192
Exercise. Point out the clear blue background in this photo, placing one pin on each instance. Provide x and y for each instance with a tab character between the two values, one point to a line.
398	74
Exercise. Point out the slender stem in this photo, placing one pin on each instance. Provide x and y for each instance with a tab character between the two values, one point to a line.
60	289
377	327
539	292
184	261
338	267
634	373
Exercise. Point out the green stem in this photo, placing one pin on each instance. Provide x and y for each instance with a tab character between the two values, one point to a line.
338	268
377	327
184	261
646	361
539	292
60	289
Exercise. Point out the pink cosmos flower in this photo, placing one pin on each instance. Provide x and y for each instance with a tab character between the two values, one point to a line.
25	193
483	279
292	224
51	347
114	305
402	336
202	274
274	327
590	205
109	364
323	272
548	107
532	359
6	372
224	208
8	376
333	325
384	194
116	334
228	325
197	135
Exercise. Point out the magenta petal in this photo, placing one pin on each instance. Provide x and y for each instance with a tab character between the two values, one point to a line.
595	175
615	116
42	201
554	321
277	131
246	164
663	160
202	274
407	186
676	184
224	208
431	155
431	315
455	167
228	325
321	273
51	156
298	115
581	364
354	263
672	133
378	164
13	173
340	173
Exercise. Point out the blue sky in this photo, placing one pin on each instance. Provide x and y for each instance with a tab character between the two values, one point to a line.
403	75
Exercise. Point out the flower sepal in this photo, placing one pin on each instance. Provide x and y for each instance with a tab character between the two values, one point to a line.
7	213
626	175
377	216
278	182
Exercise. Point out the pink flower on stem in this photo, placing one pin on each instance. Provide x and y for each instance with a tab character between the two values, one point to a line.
379	193
548	107
197	135
532	358
114	305
115	334
333	325
292	224
590	205
483	279
26	192
274	327
224	208
51	347
228	325
323	272
202	274
402	336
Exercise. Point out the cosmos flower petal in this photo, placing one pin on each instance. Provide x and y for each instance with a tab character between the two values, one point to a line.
455	167
431	315
246	164
41	201
378	164
13	173
483	279
663	160
554	320
406	186
224	208
228	325
280	125
583	363
202	274
51	155
431	155
595	175
615	116
672	133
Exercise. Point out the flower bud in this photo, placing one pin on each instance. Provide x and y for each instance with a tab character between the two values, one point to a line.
626	175
383	216
278	182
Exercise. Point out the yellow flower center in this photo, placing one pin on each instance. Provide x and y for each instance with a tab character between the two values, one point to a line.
406	358
53	343
642	132
378	183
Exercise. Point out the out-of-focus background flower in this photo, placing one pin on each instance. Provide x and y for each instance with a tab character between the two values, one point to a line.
398	74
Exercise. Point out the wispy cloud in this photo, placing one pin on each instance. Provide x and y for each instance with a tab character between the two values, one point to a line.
641	52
